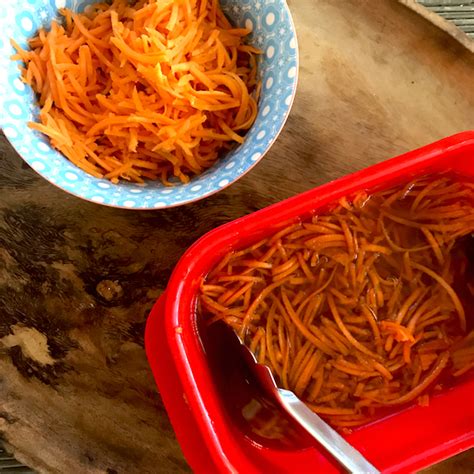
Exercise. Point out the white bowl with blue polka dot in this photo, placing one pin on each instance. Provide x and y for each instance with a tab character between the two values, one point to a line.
272	31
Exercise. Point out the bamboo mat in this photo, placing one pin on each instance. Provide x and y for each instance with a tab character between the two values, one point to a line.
461	13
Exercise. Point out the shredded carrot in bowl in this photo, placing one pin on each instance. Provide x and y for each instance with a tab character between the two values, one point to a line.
145	90
360	309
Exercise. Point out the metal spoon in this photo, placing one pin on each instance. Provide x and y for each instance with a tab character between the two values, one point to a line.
343	452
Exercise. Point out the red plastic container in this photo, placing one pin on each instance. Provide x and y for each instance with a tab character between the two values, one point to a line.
407	441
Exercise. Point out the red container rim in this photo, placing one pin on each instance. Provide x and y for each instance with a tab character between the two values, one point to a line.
412	439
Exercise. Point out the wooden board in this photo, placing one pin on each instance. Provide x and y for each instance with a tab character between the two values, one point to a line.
376	80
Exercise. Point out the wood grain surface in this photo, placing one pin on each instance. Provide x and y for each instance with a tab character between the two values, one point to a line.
77	280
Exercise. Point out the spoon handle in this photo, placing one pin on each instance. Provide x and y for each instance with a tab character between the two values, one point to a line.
348	456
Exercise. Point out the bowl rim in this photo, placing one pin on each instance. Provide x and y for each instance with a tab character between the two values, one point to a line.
199	197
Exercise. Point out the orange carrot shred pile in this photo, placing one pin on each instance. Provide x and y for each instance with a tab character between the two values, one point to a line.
143	91
360	309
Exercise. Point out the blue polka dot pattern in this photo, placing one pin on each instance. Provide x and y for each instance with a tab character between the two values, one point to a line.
272	32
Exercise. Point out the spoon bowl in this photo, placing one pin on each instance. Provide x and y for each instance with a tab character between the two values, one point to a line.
347	456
